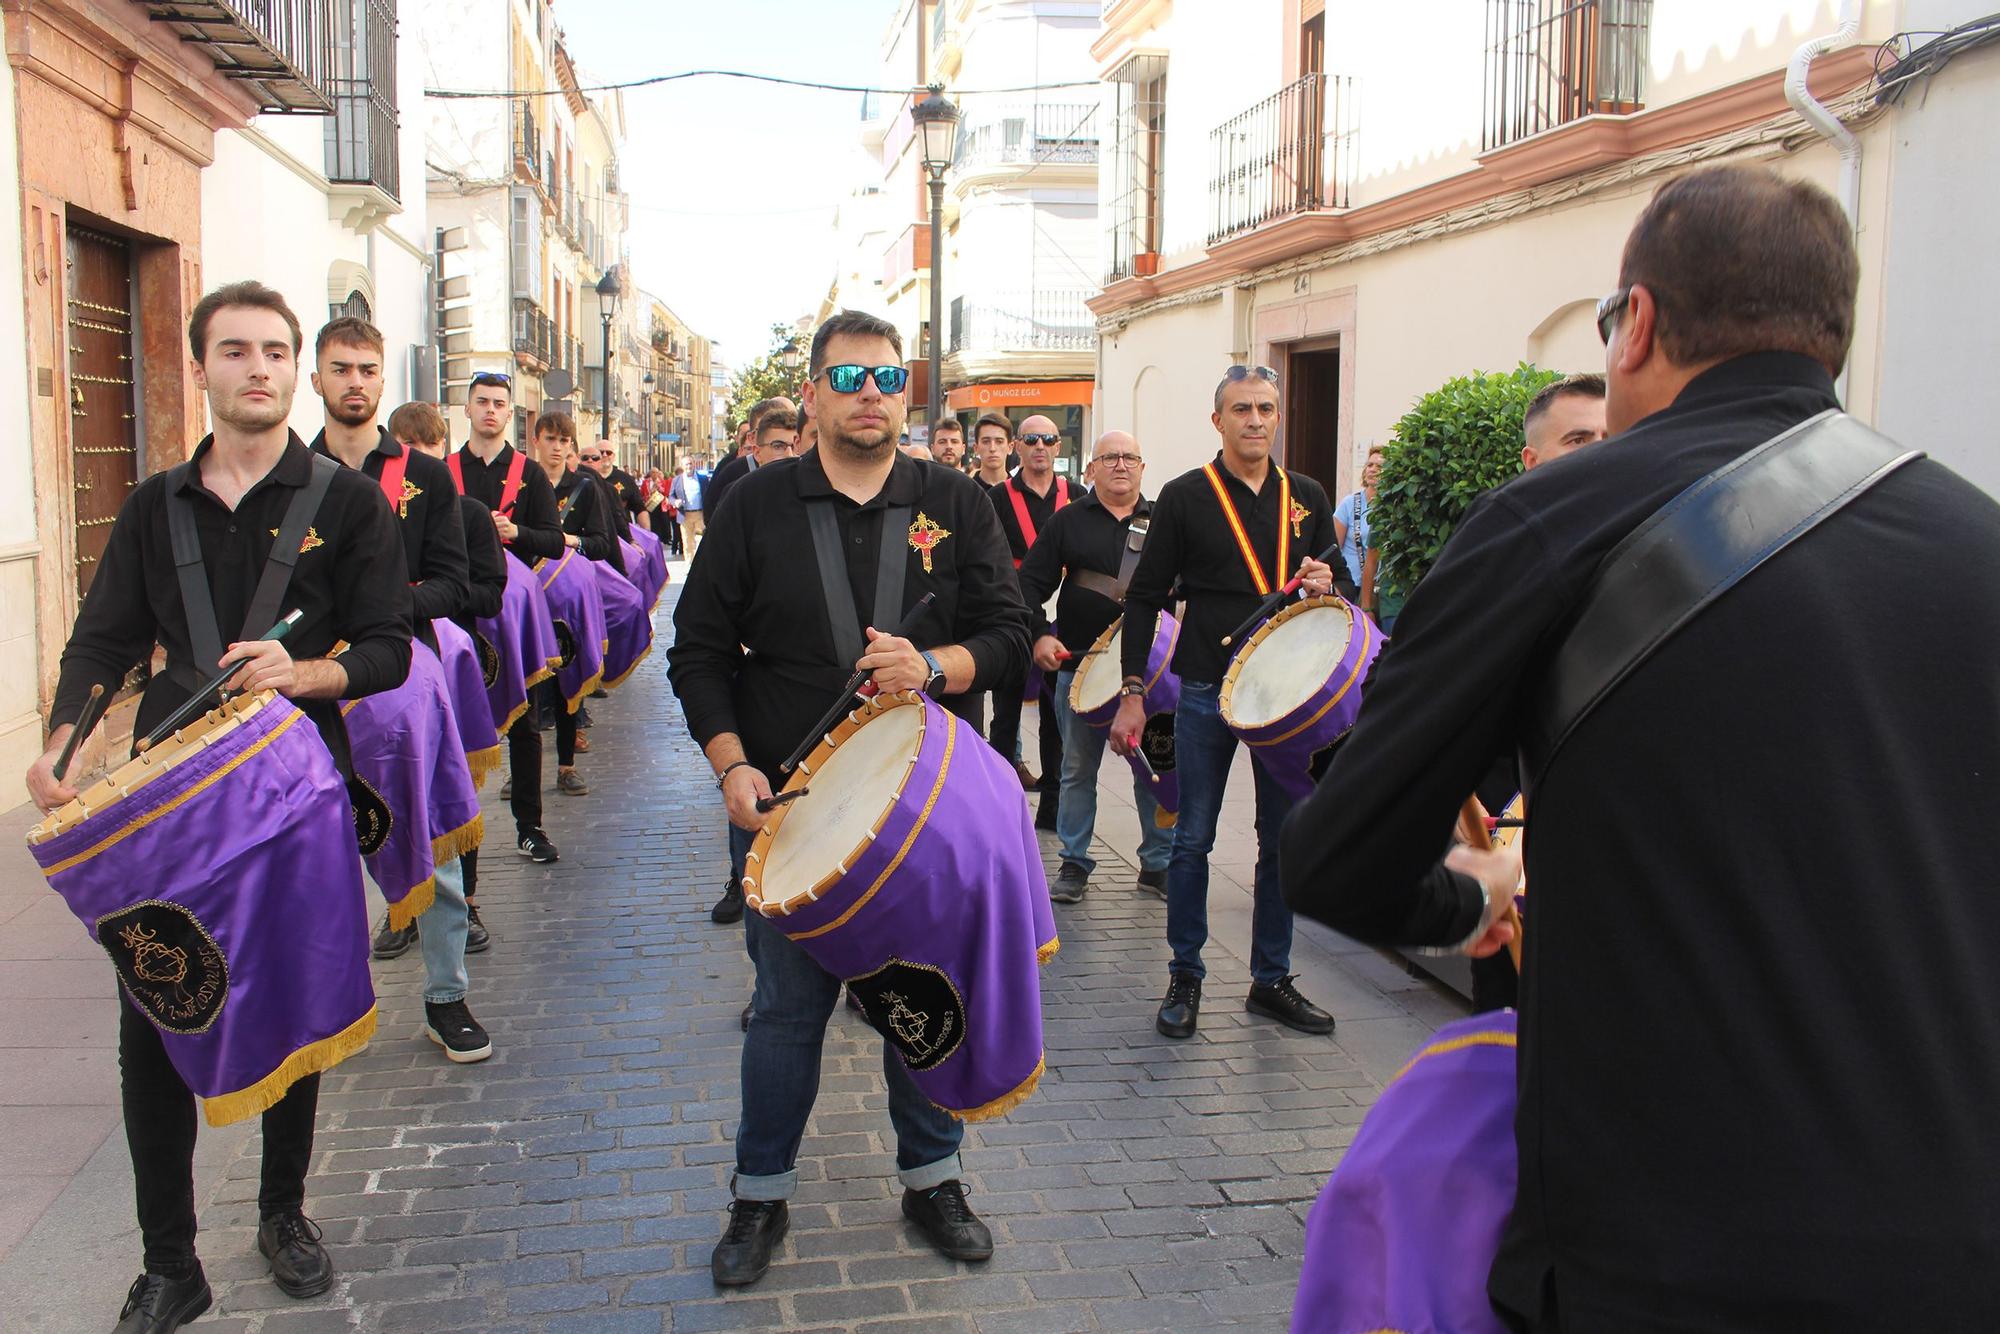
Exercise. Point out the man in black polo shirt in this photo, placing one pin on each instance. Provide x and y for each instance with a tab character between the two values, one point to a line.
748	456
586	526
626	506
350	586
1025	503
1758	1047
756	590
1228	533
523	503
1090	550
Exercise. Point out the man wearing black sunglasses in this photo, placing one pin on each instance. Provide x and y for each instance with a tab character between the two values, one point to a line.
1025	503
759	651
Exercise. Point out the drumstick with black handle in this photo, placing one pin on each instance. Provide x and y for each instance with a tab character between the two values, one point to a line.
199	700
93	709
1277	599
857	684
765	805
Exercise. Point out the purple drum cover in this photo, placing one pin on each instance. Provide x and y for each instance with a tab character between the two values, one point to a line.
577	606
1162	697
228	894
939	927
523	636
465	680
628	630
638	572
655	553
1404	1232
1291	746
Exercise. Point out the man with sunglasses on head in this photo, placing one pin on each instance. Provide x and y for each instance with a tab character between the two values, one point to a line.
759	652
523	503
1227	533
1025	503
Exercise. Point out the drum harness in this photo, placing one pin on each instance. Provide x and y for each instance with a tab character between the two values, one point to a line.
848	644
1697	547
1128	564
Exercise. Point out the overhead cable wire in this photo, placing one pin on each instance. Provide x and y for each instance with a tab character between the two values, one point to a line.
655	79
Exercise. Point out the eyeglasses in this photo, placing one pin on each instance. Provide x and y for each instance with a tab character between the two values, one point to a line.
500	378
1608	311
1235	373
1119	460
1036	439
847	379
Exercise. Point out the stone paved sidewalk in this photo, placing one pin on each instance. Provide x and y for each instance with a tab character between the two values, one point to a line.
576	1181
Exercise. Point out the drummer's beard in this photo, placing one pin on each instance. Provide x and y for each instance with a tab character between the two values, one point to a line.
870	446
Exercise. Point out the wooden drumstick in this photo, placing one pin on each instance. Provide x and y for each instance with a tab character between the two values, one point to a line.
1473	831
93	708
1276	600
857	684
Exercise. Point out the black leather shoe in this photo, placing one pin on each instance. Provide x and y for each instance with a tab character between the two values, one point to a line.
1179	1009
1281	1001
1072	882
1154	883
948	1222
744	1253
1045	815
160	1305
391	943
478	939
728	908
300	1265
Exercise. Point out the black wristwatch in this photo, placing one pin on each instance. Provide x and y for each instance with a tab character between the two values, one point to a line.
1133	686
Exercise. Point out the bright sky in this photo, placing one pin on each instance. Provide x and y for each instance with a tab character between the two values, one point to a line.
734	183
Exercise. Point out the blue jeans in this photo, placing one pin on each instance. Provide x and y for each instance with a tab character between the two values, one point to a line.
441	932
1203	749
781	1062
1076	817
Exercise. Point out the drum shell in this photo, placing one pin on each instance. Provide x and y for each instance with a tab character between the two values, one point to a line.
628	630
1288	746
466	684
1163	688
574	600
524	636
953	882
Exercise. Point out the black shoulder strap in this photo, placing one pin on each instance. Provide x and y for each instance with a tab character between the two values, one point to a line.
1105	585
848	642
204	636
895	564
286	548
1701	544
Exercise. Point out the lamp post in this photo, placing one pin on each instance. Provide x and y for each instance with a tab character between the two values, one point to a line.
791	357
937	123
652	446
607	308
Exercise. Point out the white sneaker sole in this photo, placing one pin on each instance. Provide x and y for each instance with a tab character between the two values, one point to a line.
459	1057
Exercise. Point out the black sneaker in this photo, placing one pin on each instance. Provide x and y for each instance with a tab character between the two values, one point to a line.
754	1231
1182	1005
535	846
948	1222
1072	882
478	939
600	693
1281	1001
157	1304
1154	883
452	1027
300	1265
728	908
391	943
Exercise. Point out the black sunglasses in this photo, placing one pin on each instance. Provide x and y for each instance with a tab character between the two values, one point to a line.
848	379
499	378
1608	311
1033	439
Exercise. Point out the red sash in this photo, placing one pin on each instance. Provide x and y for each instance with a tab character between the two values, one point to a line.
510	487
392	483
457	472
1021	511
1257	579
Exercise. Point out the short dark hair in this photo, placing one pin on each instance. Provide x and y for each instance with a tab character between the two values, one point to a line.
1584	384
758	410
249	292
987	419
1739	259
777	419
857	322
418	421
949	424
349	331
554	422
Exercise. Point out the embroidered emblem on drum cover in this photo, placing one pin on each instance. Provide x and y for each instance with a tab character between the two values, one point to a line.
565	643
489	659
1156	742
915	1007
925	536
372	820
171	967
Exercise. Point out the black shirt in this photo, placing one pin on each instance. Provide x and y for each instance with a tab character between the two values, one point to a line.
488	562
626	488
753	645
1191	543
534	507
1082	536
586	515
350	582
1760	1019
726	475
433	533
1040	510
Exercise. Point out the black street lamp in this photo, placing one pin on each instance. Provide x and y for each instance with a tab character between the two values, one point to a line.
607	307
937	125
652	446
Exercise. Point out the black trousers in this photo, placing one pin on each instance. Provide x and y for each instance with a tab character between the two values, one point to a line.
1005	731
524	766
565	725
470	861
160	1130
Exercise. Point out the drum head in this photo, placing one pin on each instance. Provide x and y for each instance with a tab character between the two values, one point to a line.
1287	663
854	786
1097	681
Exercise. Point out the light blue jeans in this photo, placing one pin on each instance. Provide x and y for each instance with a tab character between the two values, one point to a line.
441	932
1076	817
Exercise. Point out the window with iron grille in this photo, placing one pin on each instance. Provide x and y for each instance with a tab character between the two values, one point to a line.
361	145
1550	62
1138	165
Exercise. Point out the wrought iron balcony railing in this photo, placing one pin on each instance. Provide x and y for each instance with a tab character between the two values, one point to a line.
534	332
1549	62
282	50
1030	136
1045	320
361	142
1291	153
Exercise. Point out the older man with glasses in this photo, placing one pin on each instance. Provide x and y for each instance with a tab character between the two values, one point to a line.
1026	502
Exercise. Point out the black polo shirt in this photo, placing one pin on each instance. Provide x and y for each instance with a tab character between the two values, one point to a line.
534	508
626	487
1192	543
1082	536
1760	1017
487	560
1040	510
753	646
726	475
586	515
350	582
433	533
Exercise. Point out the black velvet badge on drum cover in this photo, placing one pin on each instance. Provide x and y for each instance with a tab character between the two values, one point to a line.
565	643
372	818
915	1007
489	659
1156	742
170	966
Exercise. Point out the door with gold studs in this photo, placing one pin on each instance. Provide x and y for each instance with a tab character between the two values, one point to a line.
103	402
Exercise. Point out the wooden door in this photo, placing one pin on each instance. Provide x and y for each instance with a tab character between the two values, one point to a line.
103	406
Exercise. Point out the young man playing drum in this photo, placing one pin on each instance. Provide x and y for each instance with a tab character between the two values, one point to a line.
1229	532
350	582
840	524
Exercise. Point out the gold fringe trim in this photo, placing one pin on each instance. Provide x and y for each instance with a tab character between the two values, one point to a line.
315	1058
619	680
1006	1102
413	904
1043	953
483	762
457	842
575	701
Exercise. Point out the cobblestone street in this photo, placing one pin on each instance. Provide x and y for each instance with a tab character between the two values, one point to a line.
576	1181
